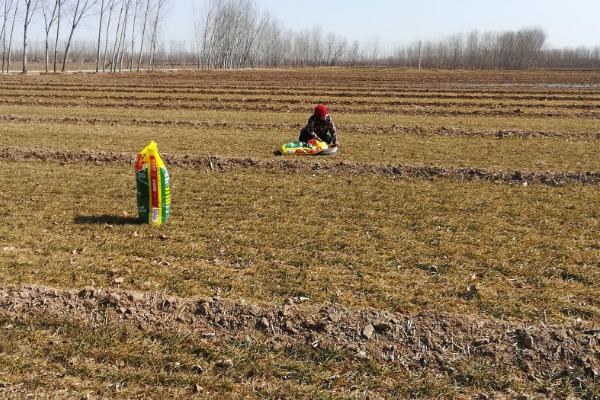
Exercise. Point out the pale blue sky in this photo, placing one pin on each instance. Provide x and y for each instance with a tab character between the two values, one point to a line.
568	23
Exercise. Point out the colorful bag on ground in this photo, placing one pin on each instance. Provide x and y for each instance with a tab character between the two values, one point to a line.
153	186
313	146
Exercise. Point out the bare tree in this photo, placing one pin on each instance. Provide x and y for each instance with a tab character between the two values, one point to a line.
111	5
373	51
50	11
197	37
3	28
59	8
154	41
10	37
273	45
486	51
316	50
534	40
353	54
30	8
6	13
507	50
123	38
117	37
230	29
472	49
146	13
335	48
203	27
119	44
135	14
456	51
102	11
80	10
234	33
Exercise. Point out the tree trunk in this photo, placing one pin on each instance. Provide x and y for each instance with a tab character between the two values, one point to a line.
47	26
12	30
7	8
117	36
99	36
153	40
123	39
143	35
137	5
25	25
46	53
78	14
64	65
48	22
112	6
60	3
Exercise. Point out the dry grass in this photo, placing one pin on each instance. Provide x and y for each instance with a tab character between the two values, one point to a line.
531	154
64	343
403	245
261	236
473	123
63	360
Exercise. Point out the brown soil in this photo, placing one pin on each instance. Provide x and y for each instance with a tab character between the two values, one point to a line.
360	77
428	339
338	103
348	128
302	166
454	94
271	107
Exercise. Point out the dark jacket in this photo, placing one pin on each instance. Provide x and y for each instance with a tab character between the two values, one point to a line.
324	129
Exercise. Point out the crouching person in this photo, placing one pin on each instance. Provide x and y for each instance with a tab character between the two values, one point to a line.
320	126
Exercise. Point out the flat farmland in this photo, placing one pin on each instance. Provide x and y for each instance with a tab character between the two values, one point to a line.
451	249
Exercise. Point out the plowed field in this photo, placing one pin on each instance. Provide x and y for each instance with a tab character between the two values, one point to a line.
450	249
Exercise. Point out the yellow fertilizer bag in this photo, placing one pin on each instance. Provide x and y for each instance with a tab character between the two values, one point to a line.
153	186
311	147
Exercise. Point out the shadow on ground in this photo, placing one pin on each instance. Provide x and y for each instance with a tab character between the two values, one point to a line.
106	219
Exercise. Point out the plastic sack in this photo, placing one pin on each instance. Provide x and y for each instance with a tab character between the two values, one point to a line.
313	146
153	186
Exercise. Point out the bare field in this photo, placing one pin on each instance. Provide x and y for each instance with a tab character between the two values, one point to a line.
450	250
486	151
245	234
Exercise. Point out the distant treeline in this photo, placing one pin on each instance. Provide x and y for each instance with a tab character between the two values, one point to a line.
237	34
523	49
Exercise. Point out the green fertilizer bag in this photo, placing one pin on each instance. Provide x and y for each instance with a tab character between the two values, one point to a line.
153	186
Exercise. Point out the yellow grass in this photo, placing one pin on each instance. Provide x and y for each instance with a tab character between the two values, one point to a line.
269	236
529	253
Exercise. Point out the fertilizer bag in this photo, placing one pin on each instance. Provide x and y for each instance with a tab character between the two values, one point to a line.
311	147
153	186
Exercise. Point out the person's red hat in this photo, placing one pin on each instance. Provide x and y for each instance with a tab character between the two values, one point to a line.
321	111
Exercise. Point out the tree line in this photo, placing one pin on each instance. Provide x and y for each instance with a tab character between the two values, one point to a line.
127	33
231	34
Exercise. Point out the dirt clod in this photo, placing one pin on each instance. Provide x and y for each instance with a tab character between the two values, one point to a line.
426	339
198	369
524	339
119	280
197	388
342	168
470	292
368	331
224	363
382	327
263	323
